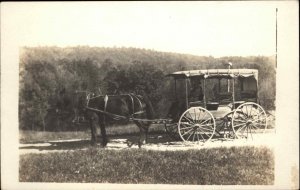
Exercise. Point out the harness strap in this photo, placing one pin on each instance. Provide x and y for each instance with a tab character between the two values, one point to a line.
132	102
114	116
140	102
105	102
105	106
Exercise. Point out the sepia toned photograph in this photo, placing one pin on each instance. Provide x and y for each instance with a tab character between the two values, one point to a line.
152	95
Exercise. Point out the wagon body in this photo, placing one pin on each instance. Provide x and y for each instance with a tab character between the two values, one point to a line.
228	106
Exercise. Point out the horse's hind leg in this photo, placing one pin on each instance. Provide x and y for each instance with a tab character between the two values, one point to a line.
143	134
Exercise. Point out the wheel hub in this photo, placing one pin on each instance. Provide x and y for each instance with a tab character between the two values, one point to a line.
196	126
249	122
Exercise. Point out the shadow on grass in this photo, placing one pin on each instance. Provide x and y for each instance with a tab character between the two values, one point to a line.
67	145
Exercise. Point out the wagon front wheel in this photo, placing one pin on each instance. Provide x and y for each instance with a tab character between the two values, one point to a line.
196	125
249	121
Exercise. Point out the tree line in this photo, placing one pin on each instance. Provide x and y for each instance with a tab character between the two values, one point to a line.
45	71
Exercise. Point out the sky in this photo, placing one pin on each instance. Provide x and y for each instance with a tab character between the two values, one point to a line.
199	28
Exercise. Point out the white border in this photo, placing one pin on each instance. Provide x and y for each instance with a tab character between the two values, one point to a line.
287	114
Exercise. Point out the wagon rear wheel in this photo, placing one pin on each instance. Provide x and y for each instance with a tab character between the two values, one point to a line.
196	125
249	121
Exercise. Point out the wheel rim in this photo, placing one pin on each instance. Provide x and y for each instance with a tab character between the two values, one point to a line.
249	121
196	125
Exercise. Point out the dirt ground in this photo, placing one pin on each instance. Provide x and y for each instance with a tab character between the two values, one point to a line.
155	142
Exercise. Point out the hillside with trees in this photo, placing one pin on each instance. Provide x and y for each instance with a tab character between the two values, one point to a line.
45	71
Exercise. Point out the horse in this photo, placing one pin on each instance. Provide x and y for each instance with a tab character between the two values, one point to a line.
100	110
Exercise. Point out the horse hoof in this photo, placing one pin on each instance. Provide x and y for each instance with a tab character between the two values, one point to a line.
140	145
129	143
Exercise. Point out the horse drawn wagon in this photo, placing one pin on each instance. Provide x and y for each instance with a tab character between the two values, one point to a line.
214	103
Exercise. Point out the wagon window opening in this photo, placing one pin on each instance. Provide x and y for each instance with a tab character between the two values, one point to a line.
179	90
196	92
248	89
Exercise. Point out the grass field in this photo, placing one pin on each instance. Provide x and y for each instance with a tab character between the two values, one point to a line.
230	166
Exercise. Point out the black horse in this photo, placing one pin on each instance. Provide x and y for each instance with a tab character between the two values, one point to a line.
104	109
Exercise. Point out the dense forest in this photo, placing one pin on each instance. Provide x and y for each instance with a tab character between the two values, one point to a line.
45	71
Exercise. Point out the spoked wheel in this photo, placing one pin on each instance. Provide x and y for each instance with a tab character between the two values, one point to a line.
196	125
249	121
172	130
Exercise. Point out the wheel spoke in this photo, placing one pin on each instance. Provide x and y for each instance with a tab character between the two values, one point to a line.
206	135
191	116
205	121
239	125
239	129
186	123
253	130
245	129
202	137
197	137
188	119
247	110
246	114
251	110
183	128
241	115
255	127
194	135
243	121
190	135
198	118
203	116
206	129
186	132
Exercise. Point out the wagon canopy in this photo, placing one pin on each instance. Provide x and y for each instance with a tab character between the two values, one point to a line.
216	73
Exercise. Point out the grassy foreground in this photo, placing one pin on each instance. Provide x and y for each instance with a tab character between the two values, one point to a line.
230	166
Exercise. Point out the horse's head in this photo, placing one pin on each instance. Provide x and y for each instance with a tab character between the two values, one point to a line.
80	101
63	103
72	104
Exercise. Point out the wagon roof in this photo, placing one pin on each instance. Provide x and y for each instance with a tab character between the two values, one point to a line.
216	73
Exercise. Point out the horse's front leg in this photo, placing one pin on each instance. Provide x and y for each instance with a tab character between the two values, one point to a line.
93	124
103	131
